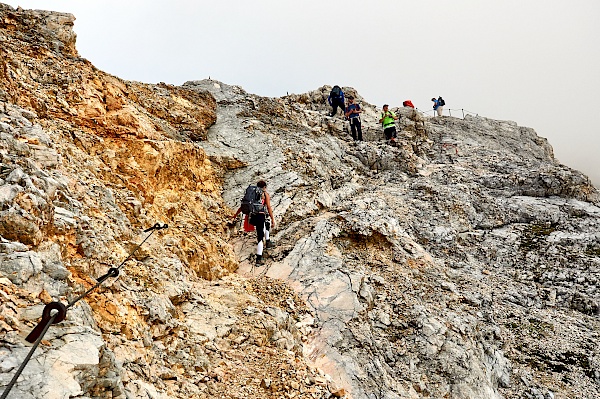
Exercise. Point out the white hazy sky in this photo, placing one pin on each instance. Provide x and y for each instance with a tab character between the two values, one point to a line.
530	61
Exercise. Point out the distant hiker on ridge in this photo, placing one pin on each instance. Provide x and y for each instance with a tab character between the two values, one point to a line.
388	121
336	99
256	202
438	105
353	114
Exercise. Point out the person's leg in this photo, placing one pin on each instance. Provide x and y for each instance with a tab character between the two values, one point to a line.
359	129
268	242
353	128
260	234
388	134
334	107
267	227
440	111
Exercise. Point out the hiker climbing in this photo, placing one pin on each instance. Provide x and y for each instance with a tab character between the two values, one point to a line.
256	203
388	121
336	99
353	114
438	105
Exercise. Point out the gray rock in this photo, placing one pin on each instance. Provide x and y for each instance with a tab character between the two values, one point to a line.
19	267
476	201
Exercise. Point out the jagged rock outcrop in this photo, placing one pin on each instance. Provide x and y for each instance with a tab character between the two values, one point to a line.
462	263
432	267
87	161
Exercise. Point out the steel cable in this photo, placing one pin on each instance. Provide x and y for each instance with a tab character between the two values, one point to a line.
37	334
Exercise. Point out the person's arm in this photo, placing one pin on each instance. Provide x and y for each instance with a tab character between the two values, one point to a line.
269	209
237	213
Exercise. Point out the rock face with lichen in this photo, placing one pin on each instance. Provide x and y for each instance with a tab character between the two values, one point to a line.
461	263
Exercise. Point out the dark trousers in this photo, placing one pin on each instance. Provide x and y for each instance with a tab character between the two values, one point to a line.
335	103
258	220
390	132
356	128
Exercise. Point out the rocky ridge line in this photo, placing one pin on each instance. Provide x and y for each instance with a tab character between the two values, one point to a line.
461	264
86	162
431	267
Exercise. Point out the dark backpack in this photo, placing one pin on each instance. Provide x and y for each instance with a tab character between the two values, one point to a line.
336	92
441	102
252	201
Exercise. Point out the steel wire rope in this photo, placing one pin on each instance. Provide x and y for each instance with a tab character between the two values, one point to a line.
37	334
13	381
432	111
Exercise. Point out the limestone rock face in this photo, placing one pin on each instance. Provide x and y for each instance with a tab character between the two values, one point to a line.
41	70
87	162
461	263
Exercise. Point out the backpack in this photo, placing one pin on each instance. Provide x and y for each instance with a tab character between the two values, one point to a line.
336	92
252	200
408	103
441	102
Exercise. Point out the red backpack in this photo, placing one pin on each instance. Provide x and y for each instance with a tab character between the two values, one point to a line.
408	103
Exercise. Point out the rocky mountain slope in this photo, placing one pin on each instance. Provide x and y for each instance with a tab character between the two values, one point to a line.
463	263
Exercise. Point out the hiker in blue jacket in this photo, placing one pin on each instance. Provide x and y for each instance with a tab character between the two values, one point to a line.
336	99
353	114
438	105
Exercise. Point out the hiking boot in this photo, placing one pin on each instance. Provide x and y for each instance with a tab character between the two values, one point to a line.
259	260
270	244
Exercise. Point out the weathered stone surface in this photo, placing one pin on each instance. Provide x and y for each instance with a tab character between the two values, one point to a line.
462	263
416	260
87	161
20	266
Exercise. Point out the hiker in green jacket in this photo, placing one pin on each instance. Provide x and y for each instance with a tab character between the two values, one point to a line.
388	121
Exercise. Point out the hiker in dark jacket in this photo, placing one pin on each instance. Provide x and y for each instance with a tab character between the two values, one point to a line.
353	114
336	99
259	220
